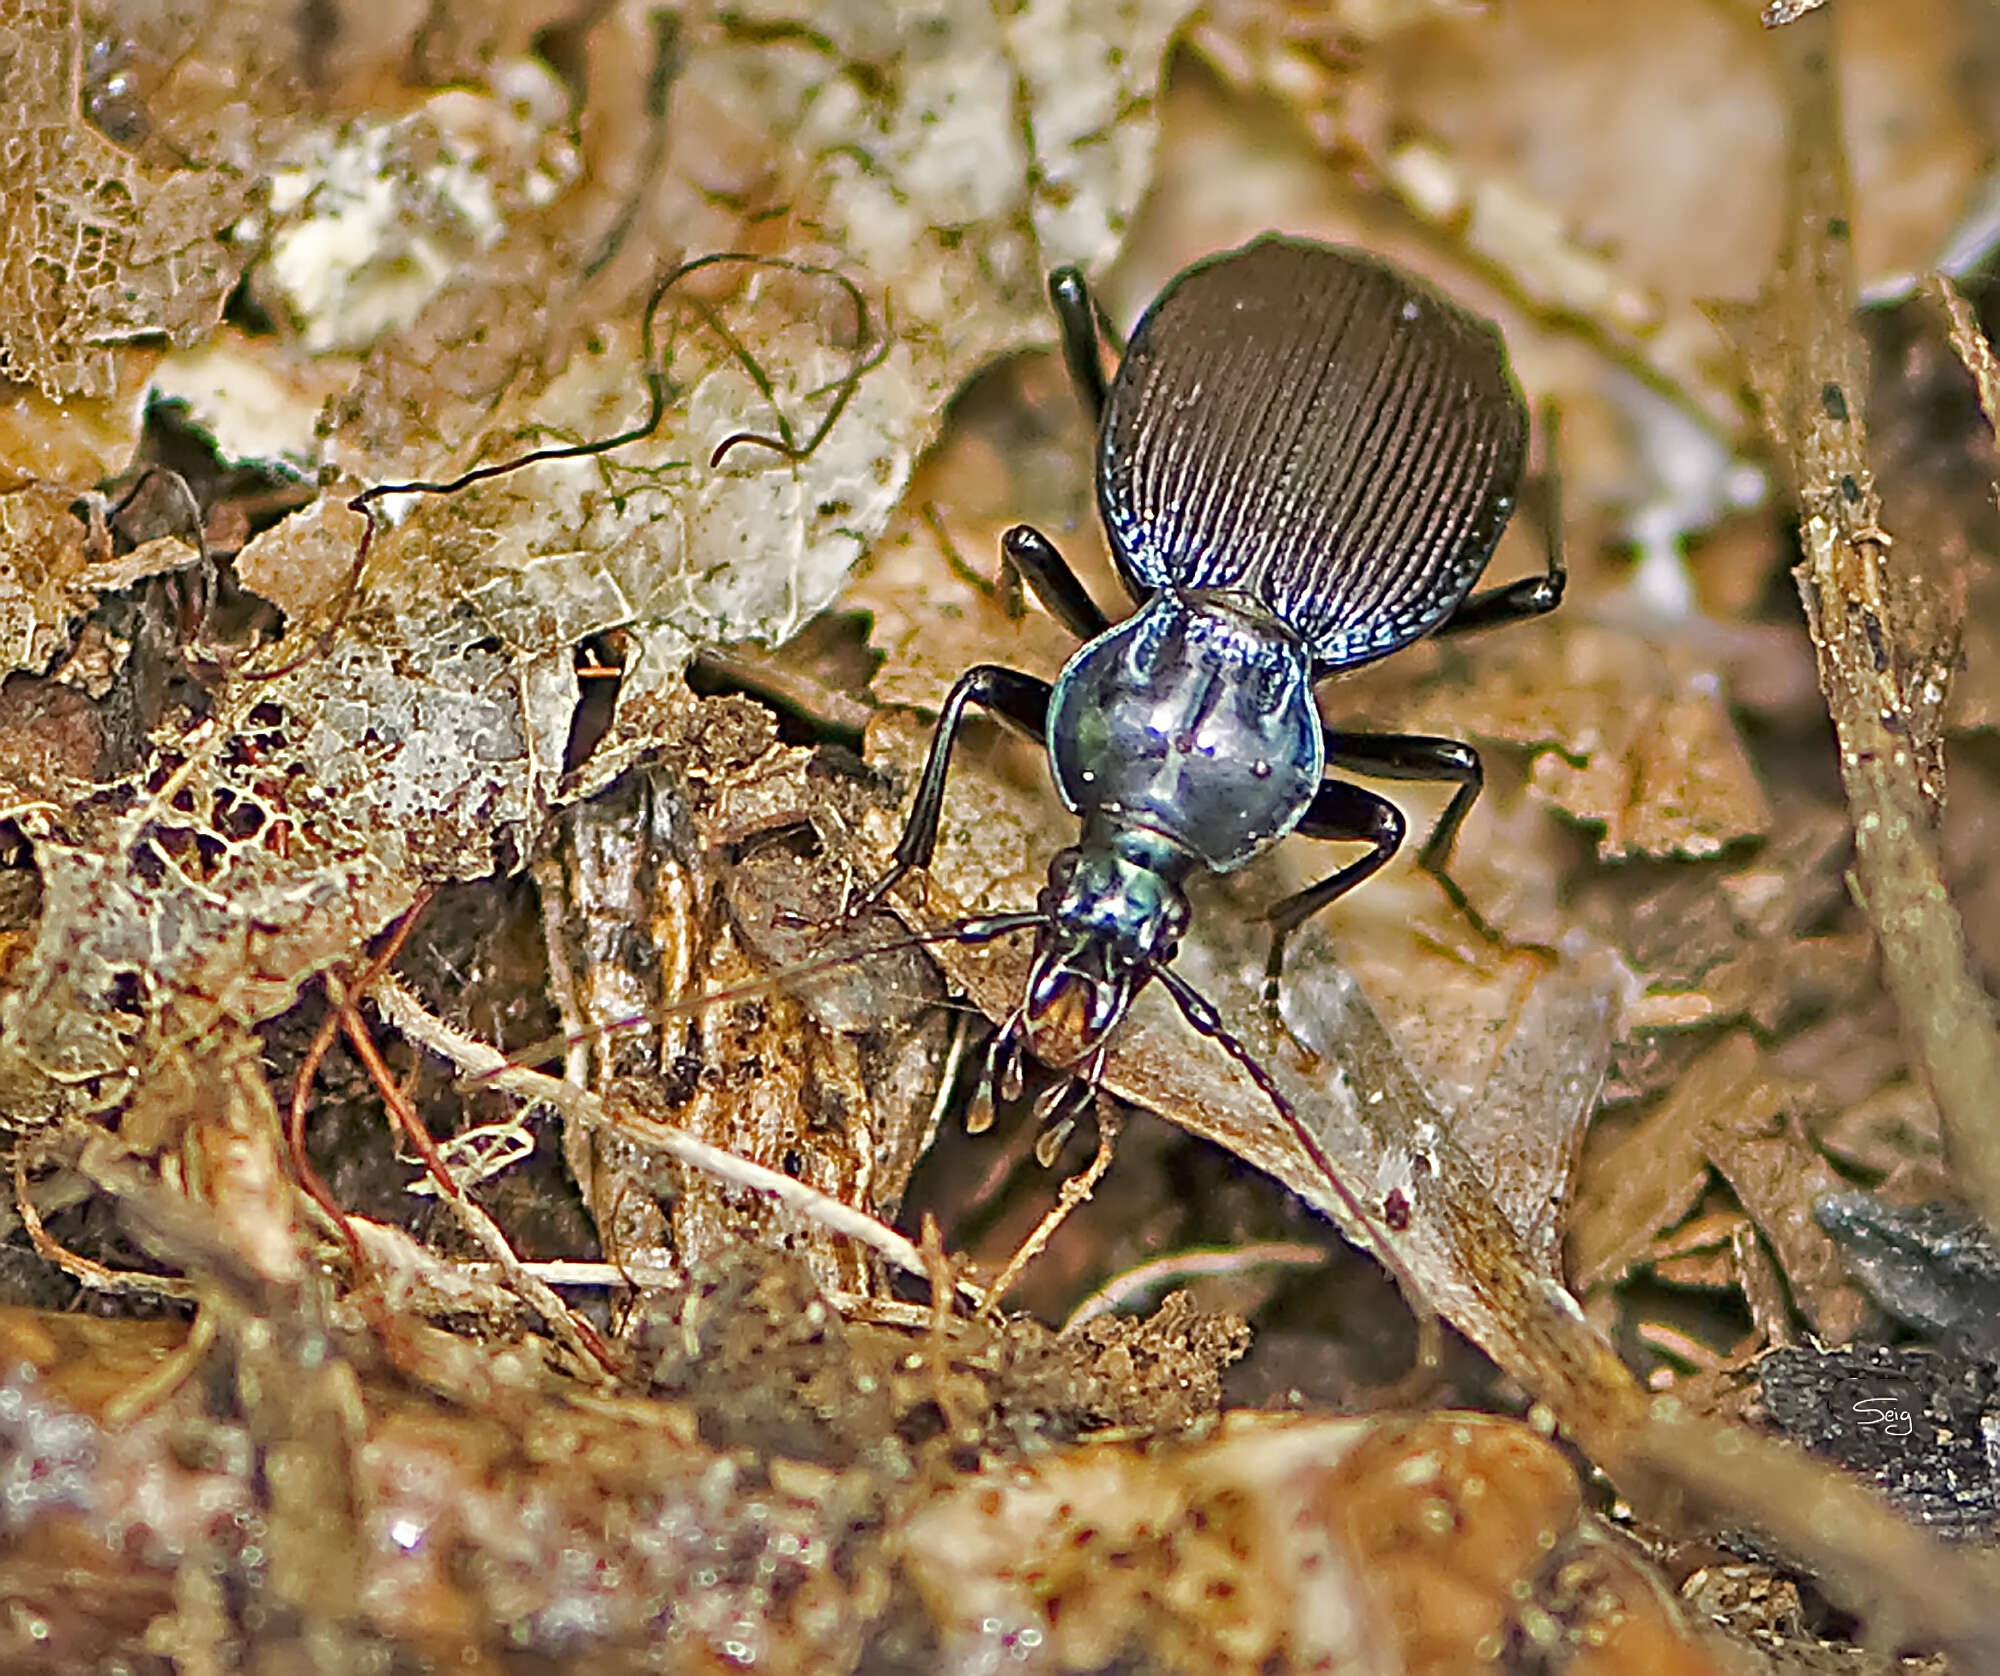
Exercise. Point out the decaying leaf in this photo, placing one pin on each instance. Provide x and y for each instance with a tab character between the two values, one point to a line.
1632	737
677	1361
98	250
289	820
837	1089
1729	1115
1399	1547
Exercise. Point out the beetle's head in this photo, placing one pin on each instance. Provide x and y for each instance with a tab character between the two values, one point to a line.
1113	914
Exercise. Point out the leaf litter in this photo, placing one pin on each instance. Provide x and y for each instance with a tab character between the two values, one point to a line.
671	1327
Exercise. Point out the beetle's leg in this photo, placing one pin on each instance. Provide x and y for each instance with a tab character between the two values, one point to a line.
1076	314
1026	551
1532	596
1341	812
1417	756
1515	602
1021	701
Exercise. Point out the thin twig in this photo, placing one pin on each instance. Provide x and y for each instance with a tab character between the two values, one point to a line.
601	1276
86	1271
1912	1590
1075	1191
167	1377
1810	368
1970	343
401	1112
295	1124
476	1058
1176	1266
578	1335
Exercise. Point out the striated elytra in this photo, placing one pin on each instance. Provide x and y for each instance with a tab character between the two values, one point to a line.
1316	432
1304	462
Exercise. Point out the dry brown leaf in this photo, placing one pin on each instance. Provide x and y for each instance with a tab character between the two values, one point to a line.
587	1531
502	293
1633	735
1727	1113
42	587
1642	1178
95	249
1778	1177
76	440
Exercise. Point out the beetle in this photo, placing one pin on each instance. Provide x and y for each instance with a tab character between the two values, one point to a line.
1304	462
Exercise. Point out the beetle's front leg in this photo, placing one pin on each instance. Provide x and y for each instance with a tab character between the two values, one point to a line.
1020	700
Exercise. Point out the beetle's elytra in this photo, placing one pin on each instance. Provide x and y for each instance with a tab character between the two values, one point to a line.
1304	462
1314	431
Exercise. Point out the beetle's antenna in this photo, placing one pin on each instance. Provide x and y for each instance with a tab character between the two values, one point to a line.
979	928
1201	1013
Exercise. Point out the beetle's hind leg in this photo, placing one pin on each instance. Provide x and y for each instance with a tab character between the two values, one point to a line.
1532	596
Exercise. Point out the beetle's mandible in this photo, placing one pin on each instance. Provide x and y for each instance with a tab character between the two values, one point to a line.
1304	461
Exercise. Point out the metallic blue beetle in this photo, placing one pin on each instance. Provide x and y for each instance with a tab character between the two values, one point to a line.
1303	464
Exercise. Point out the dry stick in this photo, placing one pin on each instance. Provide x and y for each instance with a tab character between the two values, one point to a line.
579	1337
1911	1589
601	1276
168	1375
87	1271
1075	1191
550	885
401	1112
476	1058
1807	363
295	1124
1815	420
1176	1266
943	1281
1975	353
